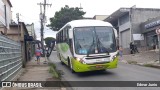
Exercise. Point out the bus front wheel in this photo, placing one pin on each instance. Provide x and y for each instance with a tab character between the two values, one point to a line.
70	66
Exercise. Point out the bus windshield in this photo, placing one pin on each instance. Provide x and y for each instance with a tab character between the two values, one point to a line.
94	40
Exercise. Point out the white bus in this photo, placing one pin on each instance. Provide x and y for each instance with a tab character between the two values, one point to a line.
87	45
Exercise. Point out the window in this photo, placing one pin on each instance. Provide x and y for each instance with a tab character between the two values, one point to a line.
63	36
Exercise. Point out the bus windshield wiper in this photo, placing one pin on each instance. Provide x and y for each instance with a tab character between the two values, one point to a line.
88	52
99	44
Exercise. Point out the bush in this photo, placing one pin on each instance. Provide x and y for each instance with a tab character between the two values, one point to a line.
53	71
132	62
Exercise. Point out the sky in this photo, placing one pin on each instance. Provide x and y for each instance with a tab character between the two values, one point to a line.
29	9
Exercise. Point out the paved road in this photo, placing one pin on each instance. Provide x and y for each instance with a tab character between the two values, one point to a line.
124	72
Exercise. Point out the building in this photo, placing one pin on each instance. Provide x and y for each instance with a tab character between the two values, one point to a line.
5	15
149	31
128	22
100	17
32	34
19	33
31	30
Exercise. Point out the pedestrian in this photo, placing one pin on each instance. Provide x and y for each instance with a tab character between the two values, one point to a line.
154	47
120	53
132	48
38	54
29	54
135	48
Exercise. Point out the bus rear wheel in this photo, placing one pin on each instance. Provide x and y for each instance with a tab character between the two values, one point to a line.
61	59
62	63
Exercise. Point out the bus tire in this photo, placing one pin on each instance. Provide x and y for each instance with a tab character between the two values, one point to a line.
69	65
61	59
103	70
59	56
62	63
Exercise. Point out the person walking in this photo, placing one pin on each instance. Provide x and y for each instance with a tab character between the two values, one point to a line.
38	54
29	54
120	53
132	48
135	49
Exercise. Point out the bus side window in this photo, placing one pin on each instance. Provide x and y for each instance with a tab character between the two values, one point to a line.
70	45
69	41
67	36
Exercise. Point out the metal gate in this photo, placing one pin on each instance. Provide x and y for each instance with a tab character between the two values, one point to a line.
125	38
10	58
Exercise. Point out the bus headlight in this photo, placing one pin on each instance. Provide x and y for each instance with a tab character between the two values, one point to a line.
113	57
80	60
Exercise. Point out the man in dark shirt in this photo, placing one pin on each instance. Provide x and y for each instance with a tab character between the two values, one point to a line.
132	48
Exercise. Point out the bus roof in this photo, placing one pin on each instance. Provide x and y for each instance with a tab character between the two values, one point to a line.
87	22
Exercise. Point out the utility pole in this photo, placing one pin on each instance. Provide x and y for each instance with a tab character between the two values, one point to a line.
5	29
80	7
42	21
19	31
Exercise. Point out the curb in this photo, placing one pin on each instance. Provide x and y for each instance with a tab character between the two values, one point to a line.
62	79
66	88
145	65
150	65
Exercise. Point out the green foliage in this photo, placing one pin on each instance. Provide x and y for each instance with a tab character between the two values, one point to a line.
132	62
53	71
48	40
66	14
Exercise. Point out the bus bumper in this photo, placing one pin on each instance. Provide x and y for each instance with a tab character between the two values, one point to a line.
79	67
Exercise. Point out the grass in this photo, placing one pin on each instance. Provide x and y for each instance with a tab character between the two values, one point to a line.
132	62
53	71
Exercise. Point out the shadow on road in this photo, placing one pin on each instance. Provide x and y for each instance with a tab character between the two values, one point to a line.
95	73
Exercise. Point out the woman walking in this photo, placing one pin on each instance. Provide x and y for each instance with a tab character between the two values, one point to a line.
38	54
120	53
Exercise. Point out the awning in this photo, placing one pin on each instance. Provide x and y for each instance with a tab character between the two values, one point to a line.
28	38
120	12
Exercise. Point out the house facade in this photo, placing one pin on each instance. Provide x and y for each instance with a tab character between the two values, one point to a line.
149	31
100	17
128	22
5	15
32	34
19	33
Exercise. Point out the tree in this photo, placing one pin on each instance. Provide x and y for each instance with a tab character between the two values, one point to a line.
66	14
48	41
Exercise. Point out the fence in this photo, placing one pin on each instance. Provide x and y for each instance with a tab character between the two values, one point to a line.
10	58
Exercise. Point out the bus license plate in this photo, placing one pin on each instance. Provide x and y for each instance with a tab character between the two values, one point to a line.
99	66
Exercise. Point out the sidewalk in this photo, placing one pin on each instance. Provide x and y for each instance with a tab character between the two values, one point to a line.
36	72
150	58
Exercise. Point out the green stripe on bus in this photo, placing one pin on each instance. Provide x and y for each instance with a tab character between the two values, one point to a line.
64	47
